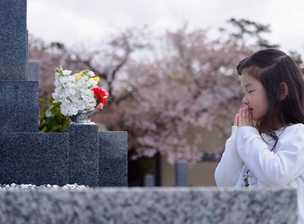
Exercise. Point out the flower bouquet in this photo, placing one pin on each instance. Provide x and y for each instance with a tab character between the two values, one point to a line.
78	92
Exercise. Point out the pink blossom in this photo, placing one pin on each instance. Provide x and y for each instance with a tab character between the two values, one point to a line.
100	106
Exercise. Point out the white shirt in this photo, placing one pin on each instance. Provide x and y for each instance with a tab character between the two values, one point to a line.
249	162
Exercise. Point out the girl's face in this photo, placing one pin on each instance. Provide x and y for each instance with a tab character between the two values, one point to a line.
254	95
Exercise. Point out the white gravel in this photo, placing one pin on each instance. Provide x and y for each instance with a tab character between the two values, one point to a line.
14	186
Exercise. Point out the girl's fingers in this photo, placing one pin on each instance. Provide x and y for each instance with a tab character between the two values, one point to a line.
240	114
241	117
245	117
250	117
236	120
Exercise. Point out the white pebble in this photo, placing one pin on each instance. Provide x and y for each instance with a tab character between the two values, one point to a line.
14	186
24	186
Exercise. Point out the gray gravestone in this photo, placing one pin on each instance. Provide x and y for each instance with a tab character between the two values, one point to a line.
34	158
149	180
113	159
18	106
18	97
33	70
181	173
29	157
83	154
13	40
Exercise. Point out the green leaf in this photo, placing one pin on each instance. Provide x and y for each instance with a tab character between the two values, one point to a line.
42	113
43	122
58	116
54	128
44	129
56	122
42	101
52	120
51	100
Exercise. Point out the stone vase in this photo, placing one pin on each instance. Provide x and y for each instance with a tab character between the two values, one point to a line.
83	117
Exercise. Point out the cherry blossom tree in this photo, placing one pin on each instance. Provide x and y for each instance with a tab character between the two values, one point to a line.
108	59
193	86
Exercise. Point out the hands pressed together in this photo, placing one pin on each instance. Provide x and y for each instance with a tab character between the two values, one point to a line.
243	118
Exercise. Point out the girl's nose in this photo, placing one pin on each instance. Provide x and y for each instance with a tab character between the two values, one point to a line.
245	101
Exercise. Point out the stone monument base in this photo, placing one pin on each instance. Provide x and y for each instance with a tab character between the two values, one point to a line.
81	155
179	205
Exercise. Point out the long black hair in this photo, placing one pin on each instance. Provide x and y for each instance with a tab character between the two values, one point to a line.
273	67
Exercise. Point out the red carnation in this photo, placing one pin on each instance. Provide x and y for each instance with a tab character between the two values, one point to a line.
101	94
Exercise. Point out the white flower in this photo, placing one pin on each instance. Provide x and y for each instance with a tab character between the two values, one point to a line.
66	72
92	82
71	79
81	107
74	92
63	80
92	74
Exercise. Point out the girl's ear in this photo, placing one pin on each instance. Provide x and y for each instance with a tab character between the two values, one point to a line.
283	90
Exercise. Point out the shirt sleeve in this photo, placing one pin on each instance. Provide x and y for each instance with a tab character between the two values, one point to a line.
230	165
274	168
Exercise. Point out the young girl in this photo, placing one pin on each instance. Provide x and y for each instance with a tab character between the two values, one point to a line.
266	148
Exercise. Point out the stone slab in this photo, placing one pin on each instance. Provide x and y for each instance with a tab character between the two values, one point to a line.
244	206
19	106
113	159
83	154
150	205
33	70
13	40
34	158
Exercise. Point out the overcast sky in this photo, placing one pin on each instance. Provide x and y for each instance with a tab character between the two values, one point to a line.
79	21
